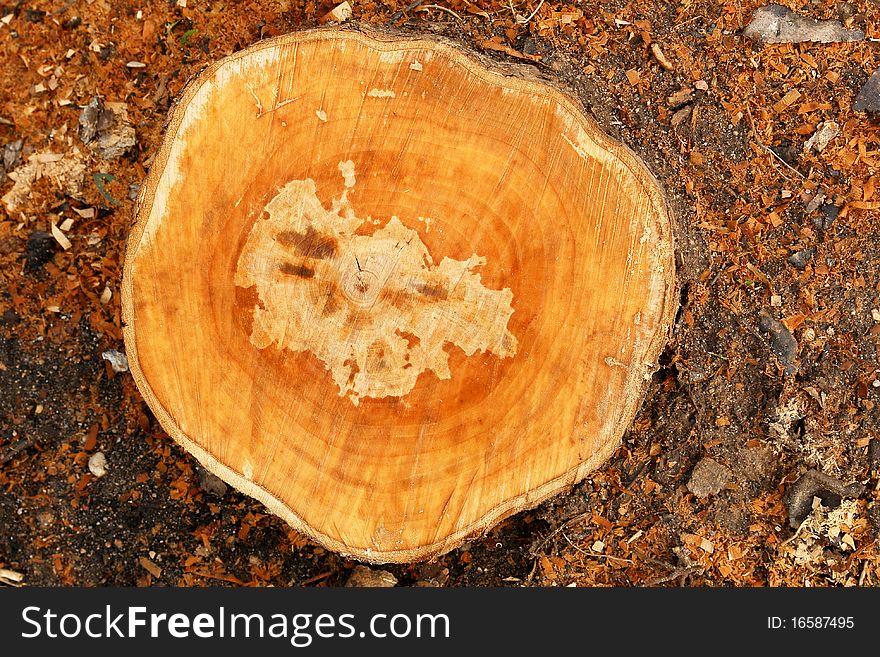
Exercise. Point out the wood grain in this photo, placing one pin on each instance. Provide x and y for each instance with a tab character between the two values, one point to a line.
394	294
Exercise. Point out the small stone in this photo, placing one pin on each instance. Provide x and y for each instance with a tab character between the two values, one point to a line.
782	342
814	202
211	483
88	120
432	575
118	360
825	132
868	99
365	577
708	478
106	129
681	97
119	137
874	453
776	301
696	373
12	154
800	259
777	24
828	213
680	116
34	15
98	464
799	497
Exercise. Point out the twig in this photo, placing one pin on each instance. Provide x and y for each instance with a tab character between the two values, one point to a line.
525	21
67	5
512	10
595	555
446	9
689	20
768	149
316	578
661	57
556	531
864	573
653	560
396	15
776	155
680	572
13	451
223	578
797	531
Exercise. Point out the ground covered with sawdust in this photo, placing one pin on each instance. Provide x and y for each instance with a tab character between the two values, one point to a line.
755	458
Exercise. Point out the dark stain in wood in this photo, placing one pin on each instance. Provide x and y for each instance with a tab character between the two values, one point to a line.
432	290
354	369
356	319
310	243
330	294
400	299
296	270
246	302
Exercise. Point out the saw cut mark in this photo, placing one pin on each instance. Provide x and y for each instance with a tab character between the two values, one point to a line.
374	309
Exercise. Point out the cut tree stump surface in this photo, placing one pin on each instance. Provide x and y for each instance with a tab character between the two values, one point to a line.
393	293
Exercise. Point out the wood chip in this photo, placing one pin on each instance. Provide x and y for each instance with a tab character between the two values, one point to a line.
661	57
339	14
10	577
45	158
85	213
150	567
681	97
61	238
495	43
783	103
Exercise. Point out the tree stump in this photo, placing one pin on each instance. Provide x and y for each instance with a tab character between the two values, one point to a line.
391	292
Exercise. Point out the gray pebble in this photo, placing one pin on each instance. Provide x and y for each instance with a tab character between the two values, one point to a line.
211	483
782	342
362	576
800	259
798	497
868	99
708	478
777	24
